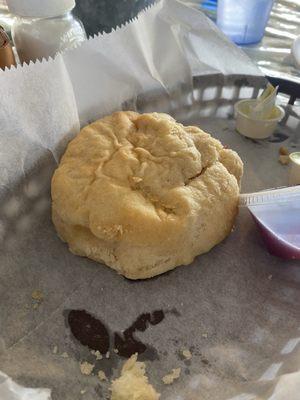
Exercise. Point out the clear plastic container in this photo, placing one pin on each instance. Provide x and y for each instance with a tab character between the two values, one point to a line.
44	28
252	127
277	215
244	21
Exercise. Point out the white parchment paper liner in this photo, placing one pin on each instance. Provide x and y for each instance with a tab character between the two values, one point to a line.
228	297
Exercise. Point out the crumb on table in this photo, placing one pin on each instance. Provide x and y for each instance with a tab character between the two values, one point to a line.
102	376
37	295
133	383
172	376
283	159
86	368
284	151
186	354
97	354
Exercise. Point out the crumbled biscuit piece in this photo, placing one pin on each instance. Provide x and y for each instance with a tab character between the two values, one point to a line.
107	355
172	376
102	376
82	391
186	354
35	306
284	160
86	368
97	354
284	151
37	295
116	351
133	383
64	355
205	335
270	277
55	349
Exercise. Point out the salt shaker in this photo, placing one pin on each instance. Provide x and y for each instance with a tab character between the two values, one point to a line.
6	19
42	28
7	58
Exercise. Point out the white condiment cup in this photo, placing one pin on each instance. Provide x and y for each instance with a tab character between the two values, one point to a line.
255	128
294	174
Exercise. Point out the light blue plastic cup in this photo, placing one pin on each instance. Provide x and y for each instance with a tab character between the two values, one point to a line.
244	21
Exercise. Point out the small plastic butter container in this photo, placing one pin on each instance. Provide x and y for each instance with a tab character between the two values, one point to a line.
294	175
277	215
252	127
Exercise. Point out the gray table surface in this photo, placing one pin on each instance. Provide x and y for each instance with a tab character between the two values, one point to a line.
272	54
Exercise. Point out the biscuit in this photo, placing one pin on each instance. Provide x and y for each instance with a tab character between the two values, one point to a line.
143	194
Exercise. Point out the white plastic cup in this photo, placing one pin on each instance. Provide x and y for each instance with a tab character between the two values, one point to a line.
294	175
244	21
255	128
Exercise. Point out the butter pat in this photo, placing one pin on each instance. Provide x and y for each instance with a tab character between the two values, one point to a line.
294	175
249	126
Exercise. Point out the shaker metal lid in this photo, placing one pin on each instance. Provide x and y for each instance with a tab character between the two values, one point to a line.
40	8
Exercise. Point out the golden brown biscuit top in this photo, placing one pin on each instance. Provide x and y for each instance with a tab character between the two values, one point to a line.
138	177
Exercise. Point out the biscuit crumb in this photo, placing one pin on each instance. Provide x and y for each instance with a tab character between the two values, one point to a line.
55	349
102	376
116	351
64	355
205	335
97	354
37	295
107	355
186	354
86	368
270	277
35	306
82	391
283	151
133	383
172	376
284	160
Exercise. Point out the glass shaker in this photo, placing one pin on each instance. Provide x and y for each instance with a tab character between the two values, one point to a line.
44	28
7	58
6	19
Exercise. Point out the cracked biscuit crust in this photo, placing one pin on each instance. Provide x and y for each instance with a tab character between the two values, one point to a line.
144	194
